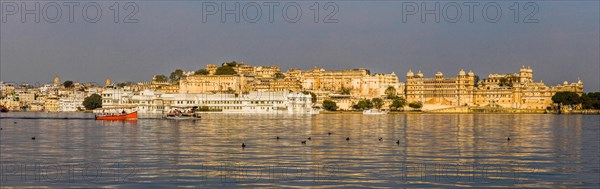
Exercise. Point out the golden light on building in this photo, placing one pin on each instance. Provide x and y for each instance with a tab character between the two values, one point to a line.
517	90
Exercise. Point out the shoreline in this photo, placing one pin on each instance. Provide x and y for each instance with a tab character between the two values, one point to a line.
501	111
595	112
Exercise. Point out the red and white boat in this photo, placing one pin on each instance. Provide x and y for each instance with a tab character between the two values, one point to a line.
3	109
117	117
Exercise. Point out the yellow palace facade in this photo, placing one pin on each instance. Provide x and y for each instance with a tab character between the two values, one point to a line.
517	90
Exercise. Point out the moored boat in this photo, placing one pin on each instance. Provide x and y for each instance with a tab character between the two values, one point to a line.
192	116
180	114
117	117
374	112
3	109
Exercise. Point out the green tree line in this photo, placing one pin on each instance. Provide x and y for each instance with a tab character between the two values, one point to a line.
586	100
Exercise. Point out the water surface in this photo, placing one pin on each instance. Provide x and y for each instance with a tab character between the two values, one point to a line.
416	150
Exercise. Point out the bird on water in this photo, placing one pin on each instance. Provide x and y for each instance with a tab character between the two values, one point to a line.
32	138
277	137
329	133
347	138
508	139
303	142
243	145
398	142
308	138
380	138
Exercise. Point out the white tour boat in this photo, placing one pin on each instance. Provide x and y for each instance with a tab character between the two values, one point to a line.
375	112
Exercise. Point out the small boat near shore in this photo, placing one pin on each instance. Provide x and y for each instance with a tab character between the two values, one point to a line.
374	112
183	116
117	117
116	113
3	109
177	114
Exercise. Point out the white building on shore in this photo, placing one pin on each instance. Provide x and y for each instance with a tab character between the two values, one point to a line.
70	104
152	102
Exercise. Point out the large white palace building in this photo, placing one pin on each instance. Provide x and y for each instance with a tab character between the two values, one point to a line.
152	102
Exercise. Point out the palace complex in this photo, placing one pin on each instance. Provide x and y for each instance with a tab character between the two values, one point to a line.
345	87
517	90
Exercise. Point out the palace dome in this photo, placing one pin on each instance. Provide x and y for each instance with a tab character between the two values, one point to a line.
409	73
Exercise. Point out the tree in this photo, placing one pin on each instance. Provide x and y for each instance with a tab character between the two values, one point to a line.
504	82
398	103
377	102
363	104
390	92
161	78
345	91
415	105
225	70
279	75
329	105
92	102
68	84
176	75
313	95
591	100
566	98
124	84
230	64
201	72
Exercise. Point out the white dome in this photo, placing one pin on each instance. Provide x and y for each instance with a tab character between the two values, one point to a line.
461	72
439	74
471	73
409	73
420	74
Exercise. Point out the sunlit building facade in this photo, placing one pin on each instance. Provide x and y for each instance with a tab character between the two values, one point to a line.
516	90
358	82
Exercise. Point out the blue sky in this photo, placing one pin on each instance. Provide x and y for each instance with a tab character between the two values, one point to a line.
563	45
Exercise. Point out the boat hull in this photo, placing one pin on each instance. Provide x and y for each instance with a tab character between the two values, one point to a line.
181	118
374	112
3	109
130	116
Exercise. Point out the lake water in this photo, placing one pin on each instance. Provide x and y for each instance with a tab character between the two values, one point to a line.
433	151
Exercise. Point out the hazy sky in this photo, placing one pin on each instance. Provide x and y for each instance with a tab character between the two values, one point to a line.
563	45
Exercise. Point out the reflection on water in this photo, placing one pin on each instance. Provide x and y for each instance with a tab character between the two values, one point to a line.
442	150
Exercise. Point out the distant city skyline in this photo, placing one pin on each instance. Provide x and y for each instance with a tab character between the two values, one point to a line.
401	75
563	45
